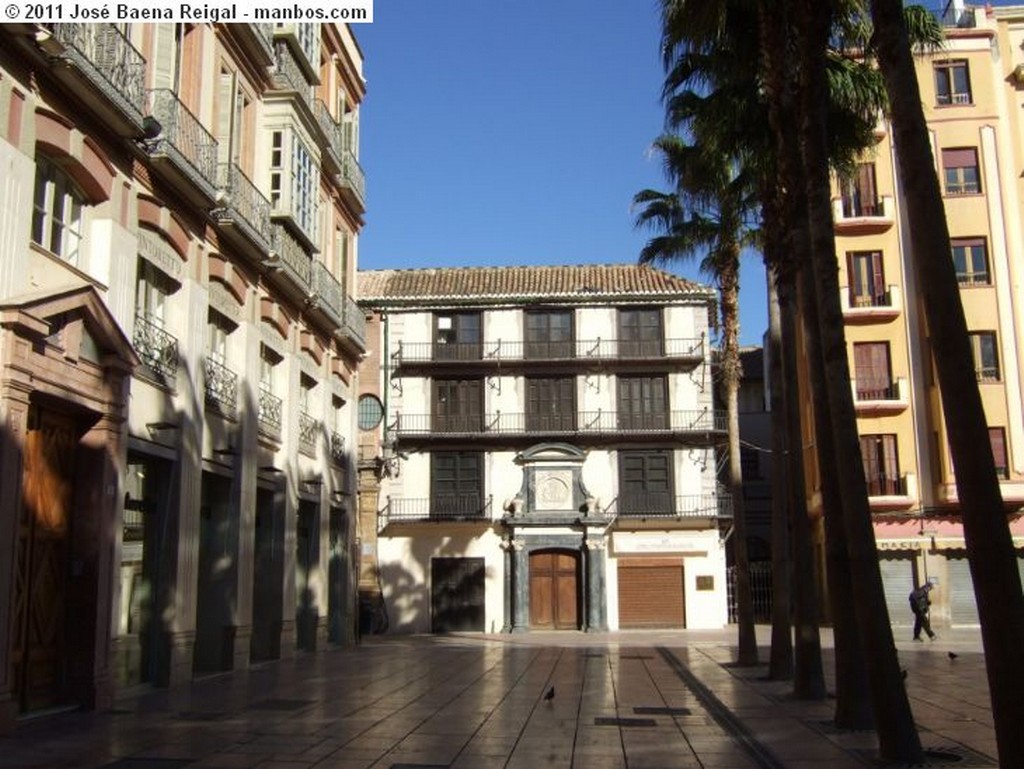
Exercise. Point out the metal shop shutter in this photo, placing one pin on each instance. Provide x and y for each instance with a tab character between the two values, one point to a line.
651	593
457	594
898	582
963	610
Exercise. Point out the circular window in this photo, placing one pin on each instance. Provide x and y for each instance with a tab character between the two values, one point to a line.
370	412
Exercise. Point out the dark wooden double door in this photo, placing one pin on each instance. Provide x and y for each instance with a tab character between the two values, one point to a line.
554	590
457	593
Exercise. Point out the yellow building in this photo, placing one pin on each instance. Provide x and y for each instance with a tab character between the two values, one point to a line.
972	95
179	210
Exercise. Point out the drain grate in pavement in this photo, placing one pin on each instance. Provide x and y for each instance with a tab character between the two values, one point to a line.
148	763
277	704
946	757
662	711
624	722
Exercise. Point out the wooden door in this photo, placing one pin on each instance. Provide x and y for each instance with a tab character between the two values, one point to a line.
554	590
39	643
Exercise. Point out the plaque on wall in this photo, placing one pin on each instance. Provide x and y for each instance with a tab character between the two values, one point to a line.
554	490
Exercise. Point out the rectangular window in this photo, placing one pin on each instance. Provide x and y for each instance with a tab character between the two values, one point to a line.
293	178
640	334
645	482
952	82
550	404
881	465
960	171
872	371
970	257
986	355
57	212
549	334
456	483
276	167
642	403
997	439
458	406
867	279
457	336
859	194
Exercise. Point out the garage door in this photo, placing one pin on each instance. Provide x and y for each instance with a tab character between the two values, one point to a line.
457	594
963	609
898	582
651	593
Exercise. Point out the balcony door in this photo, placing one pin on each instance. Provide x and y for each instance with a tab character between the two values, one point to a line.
550	404
457	336
645	482
860	197
872	371
881	465
458	406
549	334
640	334
867	279
642	403
456	484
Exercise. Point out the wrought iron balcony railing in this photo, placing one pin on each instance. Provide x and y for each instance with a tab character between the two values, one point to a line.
517	350
326	289
665	505
354	322
858	206
157	348
439	507
221	385
352	176
288	75
331	130
337	447
294	258
110	61
183	138
583	422
883	485
309	427
269	415
245	200
873	299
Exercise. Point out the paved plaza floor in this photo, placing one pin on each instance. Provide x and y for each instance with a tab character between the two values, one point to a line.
655	700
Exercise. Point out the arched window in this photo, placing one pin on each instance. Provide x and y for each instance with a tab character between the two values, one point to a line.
57	212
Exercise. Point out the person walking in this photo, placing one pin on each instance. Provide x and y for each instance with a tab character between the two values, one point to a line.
920	605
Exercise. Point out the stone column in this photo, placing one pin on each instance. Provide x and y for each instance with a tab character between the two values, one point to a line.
520	587
507	549
597	615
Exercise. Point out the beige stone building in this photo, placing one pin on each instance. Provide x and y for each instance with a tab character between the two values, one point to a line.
973	94
179	215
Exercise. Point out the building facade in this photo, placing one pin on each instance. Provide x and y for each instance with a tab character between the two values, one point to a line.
178	225
973	94
547	450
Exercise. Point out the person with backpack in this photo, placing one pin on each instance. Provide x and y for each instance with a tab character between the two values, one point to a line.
920	605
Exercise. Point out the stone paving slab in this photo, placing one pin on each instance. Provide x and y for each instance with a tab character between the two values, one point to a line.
623	701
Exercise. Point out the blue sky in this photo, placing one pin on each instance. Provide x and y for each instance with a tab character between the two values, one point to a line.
514	132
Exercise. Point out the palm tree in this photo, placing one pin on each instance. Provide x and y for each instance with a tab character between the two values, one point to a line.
897	735
990	551
710	213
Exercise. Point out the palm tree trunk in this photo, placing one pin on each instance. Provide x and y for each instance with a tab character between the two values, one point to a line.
897	734
730	288
853	696
780	665
997	587
809	682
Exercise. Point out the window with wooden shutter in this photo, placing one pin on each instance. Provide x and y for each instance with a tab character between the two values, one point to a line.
645	482
867	279
986	355
881	465
640	334
550	404
960	171
458	406
456	483
872	371
997	439
642	403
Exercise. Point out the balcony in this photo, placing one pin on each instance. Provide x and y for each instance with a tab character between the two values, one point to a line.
680	350
288	77
257	40
156	348
244	207
184	151
337	448
354	325
105	71
332	141
309	427
441	508
292	261
221	387
874	399
352	180
269	415
871	308
858	215
644	505
326	294
888	492
695	423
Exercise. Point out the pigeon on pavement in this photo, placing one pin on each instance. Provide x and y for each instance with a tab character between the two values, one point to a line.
549	694
952	655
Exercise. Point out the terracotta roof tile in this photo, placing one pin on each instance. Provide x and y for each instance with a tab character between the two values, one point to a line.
502	284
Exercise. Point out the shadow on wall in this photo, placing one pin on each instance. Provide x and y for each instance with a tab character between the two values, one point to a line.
408	585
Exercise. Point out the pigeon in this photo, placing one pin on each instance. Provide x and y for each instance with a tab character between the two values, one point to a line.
952	655
549	694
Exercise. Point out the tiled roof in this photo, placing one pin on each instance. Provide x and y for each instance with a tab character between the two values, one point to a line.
575	283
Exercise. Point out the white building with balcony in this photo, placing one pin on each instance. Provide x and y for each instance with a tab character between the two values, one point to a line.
547	449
